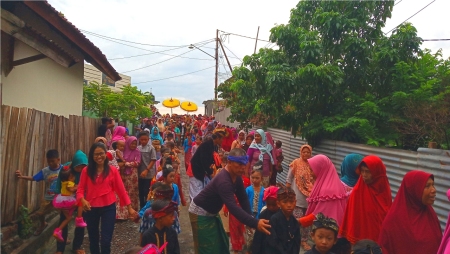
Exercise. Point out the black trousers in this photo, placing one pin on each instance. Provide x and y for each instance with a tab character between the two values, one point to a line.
144	188
77	239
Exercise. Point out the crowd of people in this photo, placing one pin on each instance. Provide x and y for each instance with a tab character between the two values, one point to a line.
234	196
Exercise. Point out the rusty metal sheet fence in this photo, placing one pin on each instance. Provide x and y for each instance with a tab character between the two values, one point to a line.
26	136
398	163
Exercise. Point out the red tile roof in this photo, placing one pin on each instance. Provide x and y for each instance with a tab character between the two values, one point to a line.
91	53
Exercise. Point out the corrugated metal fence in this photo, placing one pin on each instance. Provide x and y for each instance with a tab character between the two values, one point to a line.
398	163
26	136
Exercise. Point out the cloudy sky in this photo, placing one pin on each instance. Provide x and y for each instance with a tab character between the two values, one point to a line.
171	26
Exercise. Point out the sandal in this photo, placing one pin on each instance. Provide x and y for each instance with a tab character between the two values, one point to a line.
40	230
305	246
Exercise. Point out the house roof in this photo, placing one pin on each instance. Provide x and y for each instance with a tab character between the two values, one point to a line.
91	53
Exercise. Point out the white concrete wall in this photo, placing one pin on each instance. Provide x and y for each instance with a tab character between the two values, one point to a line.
43	85
222	118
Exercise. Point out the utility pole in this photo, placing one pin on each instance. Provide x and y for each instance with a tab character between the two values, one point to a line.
225	54
256	42
217	64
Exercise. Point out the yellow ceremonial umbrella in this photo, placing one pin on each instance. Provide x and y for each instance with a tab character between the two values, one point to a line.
189	106
171	103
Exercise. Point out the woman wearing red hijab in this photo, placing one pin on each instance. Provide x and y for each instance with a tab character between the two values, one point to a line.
412	226
369	202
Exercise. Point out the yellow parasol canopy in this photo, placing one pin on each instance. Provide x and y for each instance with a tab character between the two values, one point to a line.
171	103
189	106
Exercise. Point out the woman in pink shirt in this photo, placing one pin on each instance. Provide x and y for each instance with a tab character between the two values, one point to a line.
98	185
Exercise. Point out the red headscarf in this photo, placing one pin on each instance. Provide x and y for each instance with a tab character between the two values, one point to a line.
368	204
410	226
227	140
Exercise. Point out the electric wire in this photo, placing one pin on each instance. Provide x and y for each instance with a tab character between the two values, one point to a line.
139	43
151	50
153	64
173	76
398	2
232	53
248	37
411	16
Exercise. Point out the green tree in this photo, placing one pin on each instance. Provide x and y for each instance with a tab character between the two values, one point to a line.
335	75
130	104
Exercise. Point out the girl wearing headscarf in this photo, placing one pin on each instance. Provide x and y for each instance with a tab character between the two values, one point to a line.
369	202
239	141
132	157
445	243
79	161
349	177
411	225
100	139
161	126
273	169
261	150
119	134
328	196
155	135
301	179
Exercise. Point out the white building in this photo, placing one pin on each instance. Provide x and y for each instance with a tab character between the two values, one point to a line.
92	74
42	59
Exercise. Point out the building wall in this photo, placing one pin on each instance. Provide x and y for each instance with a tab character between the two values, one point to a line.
43	85
92	74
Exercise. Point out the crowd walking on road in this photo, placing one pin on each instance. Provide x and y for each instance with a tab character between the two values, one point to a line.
235	202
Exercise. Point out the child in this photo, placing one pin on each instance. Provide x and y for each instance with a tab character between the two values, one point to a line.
151	196
198	142
117	155
146	169
176	166
163	212
160	192
278	168
187	145
66	201
236	227
49	175
169	178
285	230
255	198
259	239
324	234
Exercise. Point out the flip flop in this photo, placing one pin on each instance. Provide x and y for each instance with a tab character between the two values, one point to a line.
40	230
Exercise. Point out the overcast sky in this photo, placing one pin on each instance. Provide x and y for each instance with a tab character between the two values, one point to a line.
182	22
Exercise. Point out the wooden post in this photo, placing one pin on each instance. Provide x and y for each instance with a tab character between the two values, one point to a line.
217	64
256	42
226	57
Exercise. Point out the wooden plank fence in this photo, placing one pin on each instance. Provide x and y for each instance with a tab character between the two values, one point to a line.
26	136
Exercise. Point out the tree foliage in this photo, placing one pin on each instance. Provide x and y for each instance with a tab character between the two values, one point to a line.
336	75
130	104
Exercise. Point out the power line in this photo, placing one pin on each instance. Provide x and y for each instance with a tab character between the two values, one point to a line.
154	45
411	16
174	76
248	37
148	49
398	2
232	52
126	57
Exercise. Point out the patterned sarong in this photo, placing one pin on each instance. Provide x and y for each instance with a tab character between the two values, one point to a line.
209	235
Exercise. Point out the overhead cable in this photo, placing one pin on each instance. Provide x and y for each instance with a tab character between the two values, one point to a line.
411	16
173	76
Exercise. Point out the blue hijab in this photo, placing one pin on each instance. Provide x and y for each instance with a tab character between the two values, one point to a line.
154	136
348	169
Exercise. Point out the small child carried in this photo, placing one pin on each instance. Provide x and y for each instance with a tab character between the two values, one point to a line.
67	202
